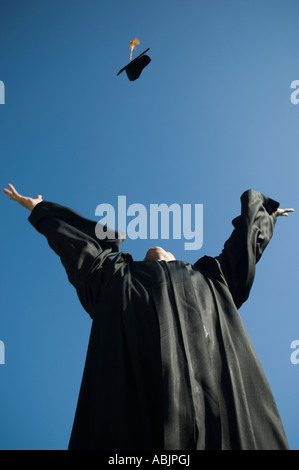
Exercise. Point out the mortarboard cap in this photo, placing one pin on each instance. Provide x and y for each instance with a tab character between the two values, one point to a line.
135	67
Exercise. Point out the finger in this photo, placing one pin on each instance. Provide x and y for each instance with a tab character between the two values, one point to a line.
285	211
6	191
10	194
13	189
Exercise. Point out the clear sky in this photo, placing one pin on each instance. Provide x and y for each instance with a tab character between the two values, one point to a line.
209	118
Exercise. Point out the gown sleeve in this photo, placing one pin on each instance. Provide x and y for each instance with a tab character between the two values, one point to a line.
253	230
73	239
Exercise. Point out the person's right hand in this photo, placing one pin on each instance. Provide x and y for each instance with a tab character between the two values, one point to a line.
27	202
283	212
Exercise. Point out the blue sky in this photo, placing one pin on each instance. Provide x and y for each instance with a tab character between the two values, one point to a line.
209	117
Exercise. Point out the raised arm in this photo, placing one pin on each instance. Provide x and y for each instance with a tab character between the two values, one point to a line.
73	239
253	230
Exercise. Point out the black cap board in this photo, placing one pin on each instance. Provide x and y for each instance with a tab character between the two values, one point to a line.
135	67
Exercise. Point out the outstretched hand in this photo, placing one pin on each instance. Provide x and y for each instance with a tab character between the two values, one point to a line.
283	212
27	202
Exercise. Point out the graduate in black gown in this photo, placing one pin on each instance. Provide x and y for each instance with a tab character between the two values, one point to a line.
169	364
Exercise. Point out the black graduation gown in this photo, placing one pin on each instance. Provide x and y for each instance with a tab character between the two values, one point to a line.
169	363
